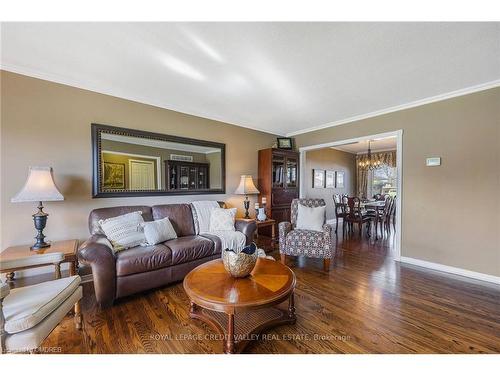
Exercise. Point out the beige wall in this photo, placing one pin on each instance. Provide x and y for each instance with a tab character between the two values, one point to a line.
44	123
451	213
330	159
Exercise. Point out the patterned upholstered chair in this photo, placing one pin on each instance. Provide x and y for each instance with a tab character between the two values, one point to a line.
309	243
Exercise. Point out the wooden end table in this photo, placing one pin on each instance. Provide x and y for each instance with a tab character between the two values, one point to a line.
67	247
240	309
263	224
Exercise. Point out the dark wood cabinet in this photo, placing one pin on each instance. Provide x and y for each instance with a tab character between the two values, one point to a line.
278	181
182	175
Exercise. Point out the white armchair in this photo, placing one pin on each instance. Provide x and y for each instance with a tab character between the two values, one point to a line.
30	313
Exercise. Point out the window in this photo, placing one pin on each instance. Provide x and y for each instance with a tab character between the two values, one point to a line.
382	180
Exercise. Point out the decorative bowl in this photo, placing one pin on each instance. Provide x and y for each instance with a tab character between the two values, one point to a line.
240	264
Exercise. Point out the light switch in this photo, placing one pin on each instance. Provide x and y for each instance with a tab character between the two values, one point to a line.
433	162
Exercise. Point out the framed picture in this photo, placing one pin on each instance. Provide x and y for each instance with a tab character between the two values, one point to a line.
285	143
113	176
339	179
318	178
330	179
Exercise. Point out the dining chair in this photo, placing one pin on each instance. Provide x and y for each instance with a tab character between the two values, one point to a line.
356	216
385	216
391	214
340	211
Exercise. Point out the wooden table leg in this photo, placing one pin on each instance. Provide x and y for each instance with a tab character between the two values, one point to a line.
57	274
77	308
273	235
291	306
72	268
78	315
229	349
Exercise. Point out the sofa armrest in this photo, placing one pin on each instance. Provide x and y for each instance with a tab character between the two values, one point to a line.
283	229
97	253
247	227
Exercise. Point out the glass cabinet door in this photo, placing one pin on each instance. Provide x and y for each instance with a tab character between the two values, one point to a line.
184	177
278	171
193	177
291	172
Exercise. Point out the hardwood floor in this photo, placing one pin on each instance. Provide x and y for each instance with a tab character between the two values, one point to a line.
367	303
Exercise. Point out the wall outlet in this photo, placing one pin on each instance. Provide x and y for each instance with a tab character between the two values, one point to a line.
433	162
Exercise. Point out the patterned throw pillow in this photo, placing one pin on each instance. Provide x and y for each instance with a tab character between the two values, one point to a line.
158	231
222	219
124	231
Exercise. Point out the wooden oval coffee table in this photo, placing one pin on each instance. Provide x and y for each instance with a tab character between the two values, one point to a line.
240	309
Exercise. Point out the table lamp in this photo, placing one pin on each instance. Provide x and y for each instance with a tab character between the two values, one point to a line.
39	187
246	187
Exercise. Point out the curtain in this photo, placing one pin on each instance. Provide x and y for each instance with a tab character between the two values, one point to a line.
388	158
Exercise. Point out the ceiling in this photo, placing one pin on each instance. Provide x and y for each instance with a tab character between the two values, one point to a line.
282	78
377	144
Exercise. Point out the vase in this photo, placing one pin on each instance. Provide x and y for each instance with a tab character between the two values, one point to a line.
261	216
240	264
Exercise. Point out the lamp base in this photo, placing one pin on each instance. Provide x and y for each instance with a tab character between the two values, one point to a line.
246	204
40	220
39	246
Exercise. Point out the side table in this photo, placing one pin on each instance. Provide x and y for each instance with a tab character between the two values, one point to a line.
67	247
263	224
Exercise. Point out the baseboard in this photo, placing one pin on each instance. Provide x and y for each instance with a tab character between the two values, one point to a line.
453	270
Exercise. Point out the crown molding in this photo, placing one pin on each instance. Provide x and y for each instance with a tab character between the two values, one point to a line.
416	103
115	93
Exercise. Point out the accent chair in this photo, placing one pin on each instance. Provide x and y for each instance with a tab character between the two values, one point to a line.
310	243
29	314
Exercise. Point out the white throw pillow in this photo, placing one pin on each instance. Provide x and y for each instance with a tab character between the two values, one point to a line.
158	231
124	231
310	218
222	219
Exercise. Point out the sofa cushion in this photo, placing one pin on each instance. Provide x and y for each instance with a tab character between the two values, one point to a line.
180	216
185	249
25	307
142	259
106	213
216	241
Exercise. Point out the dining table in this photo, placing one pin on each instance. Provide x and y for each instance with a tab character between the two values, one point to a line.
372	205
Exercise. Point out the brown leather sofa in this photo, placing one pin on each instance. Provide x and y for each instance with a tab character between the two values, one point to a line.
145	267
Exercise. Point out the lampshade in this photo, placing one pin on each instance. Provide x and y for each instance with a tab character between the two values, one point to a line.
39	187
246	186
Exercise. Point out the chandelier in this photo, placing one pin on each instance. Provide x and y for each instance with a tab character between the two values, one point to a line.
369	162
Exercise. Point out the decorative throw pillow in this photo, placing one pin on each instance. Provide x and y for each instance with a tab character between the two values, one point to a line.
310	218
222	219
124	231
158	231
